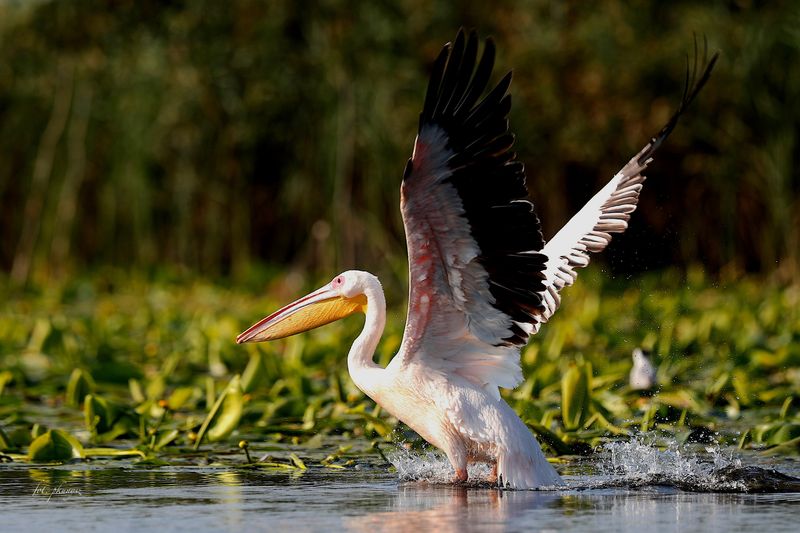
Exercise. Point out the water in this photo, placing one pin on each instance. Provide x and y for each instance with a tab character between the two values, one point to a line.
627	487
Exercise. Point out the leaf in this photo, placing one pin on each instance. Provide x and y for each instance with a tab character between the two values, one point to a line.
37	430
279	466
648	419
575	396
96	414
785	433
682	399
232	407
231	404
80	384
380	426
55	445
20	437
790	447
719	384
314	442
211	391
550	439
741	386
121	427
297	461
254	374
41	330
136	390
5	442
745	439
787	403
5	378
155	388
106	421
179	397
764	432
112	452
608	426
166	438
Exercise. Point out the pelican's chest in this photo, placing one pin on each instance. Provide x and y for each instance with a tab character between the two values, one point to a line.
412	399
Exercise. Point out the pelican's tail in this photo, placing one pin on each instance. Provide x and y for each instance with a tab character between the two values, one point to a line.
526	469
521	464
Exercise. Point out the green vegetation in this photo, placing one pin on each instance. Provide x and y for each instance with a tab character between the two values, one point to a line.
150	371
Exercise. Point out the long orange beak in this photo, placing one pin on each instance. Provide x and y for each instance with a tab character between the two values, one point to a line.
323	306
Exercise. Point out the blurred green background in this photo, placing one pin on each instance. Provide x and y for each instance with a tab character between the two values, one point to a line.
212	137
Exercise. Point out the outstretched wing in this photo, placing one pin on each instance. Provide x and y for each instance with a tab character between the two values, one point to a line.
481	279
476	283
609	210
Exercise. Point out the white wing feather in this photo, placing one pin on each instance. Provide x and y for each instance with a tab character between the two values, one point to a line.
609	210
590	231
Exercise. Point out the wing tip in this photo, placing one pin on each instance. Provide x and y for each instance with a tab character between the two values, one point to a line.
692	87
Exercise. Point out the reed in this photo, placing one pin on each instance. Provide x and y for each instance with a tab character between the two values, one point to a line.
210	139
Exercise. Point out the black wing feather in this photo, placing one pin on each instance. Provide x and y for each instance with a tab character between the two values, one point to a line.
465	71
488	178
479	81
691	87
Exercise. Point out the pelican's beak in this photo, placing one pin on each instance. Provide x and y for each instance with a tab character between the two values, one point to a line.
321	307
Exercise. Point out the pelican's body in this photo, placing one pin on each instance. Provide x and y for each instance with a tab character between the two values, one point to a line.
451	412
465	422
481	278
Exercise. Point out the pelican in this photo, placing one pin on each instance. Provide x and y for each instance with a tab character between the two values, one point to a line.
482	280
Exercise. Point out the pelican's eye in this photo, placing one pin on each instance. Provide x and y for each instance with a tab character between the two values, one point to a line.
338	281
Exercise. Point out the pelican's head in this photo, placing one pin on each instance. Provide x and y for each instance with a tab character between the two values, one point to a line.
342	297
639	357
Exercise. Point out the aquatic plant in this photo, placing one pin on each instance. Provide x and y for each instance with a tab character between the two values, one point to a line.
150	370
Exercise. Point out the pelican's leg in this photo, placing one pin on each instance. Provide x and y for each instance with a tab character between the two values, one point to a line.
458	458
493	475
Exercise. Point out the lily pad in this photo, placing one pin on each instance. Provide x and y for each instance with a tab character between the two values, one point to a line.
55	445
105	420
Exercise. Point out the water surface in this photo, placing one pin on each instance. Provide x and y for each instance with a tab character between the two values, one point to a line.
605	497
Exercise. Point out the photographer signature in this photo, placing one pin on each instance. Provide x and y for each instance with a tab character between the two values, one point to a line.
58	490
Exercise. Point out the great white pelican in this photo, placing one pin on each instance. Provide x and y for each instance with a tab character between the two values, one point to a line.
482	279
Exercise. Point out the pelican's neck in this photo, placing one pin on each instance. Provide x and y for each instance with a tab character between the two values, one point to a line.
359	360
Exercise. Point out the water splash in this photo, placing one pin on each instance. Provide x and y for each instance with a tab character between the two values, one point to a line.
633	464
636	464
430	467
